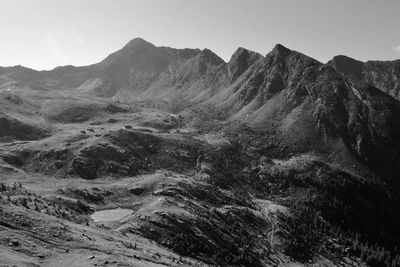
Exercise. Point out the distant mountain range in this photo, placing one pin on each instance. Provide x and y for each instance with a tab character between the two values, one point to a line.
141	69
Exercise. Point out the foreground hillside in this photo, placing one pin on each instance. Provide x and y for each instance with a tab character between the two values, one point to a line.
159	156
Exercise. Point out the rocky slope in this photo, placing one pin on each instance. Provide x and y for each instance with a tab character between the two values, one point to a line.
381	74
306	105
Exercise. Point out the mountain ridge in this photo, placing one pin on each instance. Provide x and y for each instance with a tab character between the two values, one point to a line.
153	61
381	74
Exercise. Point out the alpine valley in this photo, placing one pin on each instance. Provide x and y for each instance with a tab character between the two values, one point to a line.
158	156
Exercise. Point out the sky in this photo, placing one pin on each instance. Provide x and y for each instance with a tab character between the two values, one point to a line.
43	34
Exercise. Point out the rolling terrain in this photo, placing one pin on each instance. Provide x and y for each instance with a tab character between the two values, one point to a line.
160	156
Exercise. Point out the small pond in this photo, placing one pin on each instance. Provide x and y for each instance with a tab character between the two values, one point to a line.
110	215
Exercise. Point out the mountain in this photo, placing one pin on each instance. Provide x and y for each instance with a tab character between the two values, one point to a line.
381	74
259	161
307	104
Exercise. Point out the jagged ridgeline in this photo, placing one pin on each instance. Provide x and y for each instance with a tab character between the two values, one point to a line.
258	161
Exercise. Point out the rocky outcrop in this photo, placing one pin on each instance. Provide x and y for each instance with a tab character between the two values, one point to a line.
384	75
124	153
13	129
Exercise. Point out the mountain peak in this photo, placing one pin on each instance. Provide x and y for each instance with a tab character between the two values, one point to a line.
211	57
138	42
279	51
347	65
342	59
243	51
241	60
282	49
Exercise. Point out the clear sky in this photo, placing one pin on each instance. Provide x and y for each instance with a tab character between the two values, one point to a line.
43	34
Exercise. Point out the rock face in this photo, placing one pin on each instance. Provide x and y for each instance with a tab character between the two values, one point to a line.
348	66
241	60
384	75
